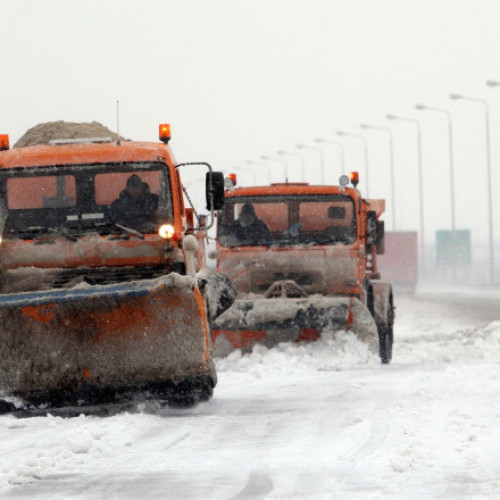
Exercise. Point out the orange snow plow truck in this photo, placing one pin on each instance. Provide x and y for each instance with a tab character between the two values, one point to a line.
103	291
309	265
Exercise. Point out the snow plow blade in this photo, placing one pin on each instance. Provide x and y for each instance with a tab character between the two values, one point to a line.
269	321
107	343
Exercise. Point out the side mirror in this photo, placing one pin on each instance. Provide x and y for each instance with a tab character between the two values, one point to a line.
375	231
214	189
371	226
380	237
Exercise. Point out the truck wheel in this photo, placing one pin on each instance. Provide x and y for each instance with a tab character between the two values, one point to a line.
386	336
6	407
191	392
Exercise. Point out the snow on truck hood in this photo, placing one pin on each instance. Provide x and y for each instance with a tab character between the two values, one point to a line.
87	250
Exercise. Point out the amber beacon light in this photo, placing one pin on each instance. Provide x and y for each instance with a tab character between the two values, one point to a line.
354	178
165	132
4	142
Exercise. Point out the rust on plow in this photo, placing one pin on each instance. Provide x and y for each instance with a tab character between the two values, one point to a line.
269	321
104	339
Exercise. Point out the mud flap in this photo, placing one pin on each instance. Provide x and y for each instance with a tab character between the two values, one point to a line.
274	320
100	341
383	312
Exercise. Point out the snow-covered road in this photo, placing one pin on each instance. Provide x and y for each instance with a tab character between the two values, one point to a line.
321	420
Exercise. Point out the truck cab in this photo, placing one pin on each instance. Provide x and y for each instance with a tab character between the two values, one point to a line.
303	259
64	216
318	236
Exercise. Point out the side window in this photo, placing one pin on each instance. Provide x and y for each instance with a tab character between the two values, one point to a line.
226	218
109	186
41	192
317	216
274	215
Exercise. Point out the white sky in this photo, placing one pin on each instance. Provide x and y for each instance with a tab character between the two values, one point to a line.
239	79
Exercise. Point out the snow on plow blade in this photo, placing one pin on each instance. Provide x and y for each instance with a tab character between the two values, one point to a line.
104	342
270	321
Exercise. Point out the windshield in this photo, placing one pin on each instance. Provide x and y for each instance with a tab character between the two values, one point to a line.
84	198
287	220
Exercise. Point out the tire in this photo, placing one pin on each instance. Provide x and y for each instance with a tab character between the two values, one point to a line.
386	336
191	392
6	407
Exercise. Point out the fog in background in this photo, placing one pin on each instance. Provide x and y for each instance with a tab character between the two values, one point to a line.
243	79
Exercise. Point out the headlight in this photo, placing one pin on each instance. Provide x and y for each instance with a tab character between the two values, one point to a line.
166	231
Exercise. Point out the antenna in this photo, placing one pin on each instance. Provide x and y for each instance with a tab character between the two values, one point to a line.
117	122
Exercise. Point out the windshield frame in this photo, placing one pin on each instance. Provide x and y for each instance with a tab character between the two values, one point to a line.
86	215
227	218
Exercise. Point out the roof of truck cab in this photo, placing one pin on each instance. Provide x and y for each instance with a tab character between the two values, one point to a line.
86	153
291	188
299	188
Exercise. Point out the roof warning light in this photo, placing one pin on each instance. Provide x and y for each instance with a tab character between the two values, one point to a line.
4	142
165	132
354	178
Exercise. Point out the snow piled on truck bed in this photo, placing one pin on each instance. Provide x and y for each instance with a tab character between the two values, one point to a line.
43	133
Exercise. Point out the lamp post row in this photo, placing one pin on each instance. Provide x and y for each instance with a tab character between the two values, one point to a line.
419	107
483	102
391	165
420	179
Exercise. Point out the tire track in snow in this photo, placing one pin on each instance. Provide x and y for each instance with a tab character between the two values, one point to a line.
374	440
258	486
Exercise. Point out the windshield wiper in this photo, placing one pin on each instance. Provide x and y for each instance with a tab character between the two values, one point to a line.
53	230
104	227
127	230
62	232
325	240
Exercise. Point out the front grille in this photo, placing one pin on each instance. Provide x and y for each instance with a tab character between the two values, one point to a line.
261	281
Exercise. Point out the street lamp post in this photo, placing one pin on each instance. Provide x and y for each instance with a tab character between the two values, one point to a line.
302	167
488	170
336	143
421	107
391	166
283	161
420	180
493	83
365	151
249	170
251	162
322	160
